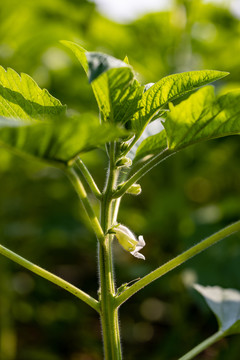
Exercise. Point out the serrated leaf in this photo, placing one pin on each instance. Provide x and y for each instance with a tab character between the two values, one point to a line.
116	90
61	143
22	98
168	89
225	304
202	117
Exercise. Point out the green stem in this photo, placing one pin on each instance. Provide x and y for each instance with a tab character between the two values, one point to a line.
93	186
87	206
155	160
203	345
137	137
109	312
116	205
180	259
50	277
134	141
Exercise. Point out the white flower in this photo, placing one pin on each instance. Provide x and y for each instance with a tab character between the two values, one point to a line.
129	241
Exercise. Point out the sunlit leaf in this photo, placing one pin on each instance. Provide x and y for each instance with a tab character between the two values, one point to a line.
99	63
225	304
22	98
61	143
116	90
202	117
152	145
168	89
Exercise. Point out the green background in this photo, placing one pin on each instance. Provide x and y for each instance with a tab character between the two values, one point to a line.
186	198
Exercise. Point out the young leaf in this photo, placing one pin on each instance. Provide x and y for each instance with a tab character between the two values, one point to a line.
225	304
21	98
202	117
116	90
94	63
61	143
98	63
167	89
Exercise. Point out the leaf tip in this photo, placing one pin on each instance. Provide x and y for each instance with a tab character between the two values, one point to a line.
71	44
225	73
126	60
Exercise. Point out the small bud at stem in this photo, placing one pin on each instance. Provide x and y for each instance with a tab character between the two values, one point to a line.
124	161
135	189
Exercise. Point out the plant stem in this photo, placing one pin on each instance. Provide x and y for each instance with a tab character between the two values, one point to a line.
155	160
93	186
203	345
180	259
109	312
87	206
50	277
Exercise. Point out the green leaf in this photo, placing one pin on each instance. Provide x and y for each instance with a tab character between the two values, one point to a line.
168	89
61	143
116	90
22	98
94	63
202	117
225	304
99	63
152	145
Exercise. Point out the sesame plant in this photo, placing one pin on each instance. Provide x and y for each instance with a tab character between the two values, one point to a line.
35	124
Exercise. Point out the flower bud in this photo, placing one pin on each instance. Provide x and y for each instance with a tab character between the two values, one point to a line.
124	146
124	161
135	189
129	241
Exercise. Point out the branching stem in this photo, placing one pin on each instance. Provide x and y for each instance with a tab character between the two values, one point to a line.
180	259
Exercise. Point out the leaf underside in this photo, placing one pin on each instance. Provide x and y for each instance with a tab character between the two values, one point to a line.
33	122
225	304
61	143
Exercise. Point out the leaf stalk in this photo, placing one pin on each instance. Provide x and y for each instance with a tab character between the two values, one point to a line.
88	177
86	204
50	277
203	345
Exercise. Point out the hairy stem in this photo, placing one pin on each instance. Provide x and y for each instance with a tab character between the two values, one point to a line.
50	277
109	312
203	345
180	259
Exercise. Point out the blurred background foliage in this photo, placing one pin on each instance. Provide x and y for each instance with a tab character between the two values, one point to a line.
185	199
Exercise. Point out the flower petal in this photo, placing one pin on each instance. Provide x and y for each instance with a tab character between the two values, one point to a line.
138	255
141	241
129	241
